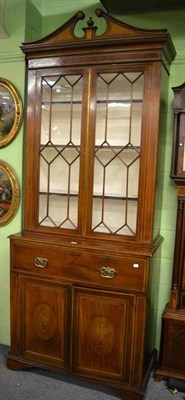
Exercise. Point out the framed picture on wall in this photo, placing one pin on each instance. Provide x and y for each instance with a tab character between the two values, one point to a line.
11	112
9	193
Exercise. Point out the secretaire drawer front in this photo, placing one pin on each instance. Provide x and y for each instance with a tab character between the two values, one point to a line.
123	273
81	266
42	258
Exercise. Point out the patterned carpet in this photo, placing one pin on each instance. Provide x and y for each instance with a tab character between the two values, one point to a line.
42	385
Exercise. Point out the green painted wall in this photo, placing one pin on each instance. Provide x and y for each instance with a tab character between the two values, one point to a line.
24	22
12	68
21	20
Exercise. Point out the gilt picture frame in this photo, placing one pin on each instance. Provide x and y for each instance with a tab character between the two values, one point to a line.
11	112
9	193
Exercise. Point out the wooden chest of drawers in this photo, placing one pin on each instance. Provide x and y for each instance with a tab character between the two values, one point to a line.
60	298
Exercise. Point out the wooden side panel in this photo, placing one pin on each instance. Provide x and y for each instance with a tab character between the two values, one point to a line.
44	318
103	334
172	351
14	314
176	350
139	341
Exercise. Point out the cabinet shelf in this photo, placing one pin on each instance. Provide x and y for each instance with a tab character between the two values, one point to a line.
74	146
112	102
98	196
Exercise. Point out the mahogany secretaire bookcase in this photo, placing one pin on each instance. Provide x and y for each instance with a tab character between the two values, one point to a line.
80	266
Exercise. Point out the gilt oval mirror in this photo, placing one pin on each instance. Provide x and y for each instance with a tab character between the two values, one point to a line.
11	112
9	193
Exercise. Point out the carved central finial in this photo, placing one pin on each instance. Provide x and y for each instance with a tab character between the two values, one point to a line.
90	22
90	30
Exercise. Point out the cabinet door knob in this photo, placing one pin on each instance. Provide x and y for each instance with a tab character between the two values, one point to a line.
41	262
107	272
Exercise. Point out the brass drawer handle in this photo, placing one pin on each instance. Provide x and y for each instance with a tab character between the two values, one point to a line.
107	272
41	262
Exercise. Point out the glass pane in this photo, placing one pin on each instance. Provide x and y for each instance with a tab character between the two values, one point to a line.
121	221
117	152
60	151
53	212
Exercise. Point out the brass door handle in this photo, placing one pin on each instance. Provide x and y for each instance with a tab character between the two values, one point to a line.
41	262
107	272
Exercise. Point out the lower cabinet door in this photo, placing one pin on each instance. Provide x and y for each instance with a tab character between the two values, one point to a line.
44	321
103	334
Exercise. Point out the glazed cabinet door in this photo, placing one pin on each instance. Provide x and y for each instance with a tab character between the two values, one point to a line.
115	137
55	141
43	324
103	334
122	151
89	172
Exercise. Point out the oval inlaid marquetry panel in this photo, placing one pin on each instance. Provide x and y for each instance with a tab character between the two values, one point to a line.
102	335
44	321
